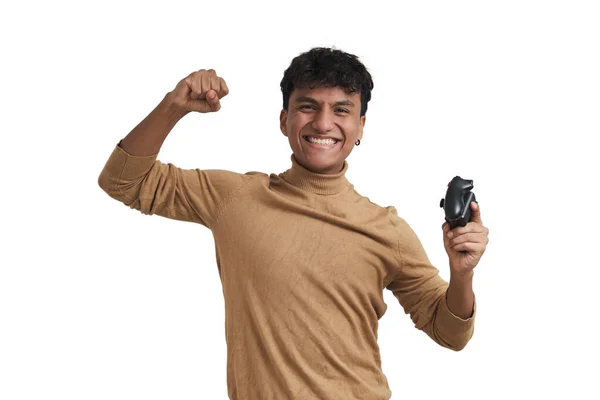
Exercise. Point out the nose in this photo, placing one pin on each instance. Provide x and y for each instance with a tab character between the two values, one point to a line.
323	121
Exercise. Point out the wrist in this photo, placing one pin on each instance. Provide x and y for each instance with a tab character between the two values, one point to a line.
461	277
172	108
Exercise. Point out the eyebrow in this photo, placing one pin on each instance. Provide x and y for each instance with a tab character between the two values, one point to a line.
306	99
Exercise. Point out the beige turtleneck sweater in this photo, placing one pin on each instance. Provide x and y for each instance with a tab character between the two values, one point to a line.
303	260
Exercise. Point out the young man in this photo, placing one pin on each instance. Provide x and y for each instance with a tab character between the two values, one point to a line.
303	258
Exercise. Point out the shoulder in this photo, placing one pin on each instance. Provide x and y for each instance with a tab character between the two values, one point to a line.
258	176
402	226
374	207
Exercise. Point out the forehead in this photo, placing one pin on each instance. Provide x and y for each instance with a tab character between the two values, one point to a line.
325	94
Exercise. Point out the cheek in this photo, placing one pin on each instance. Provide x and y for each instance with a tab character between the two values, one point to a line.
295	125
350	128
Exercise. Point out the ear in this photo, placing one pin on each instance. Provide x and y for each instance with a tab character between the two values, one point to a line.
283	122
363	119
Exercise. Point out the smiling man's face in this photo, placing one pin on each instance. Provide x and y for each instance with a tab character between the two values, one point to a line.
322	113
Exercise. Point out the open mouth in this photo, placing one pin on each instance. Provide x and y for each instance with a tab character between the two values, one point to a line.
321	143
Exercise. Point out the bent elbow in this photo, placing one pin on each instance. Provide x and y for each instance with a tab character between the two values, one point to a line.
104	181
125	192
458	346
110	185
460	341
453	339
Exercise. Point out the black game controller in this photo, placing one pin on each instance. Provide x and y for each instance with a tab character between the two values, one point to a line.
457	204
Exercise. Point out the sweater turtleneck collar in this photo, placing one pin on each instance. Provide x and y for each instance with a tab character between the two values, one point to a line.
324	184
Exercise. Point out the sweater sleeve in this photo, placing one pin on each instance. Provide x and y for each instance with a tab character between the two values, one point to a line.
422	292
152	187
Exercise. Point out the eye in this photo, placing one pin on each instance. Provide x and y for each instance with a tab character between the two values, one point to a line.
342	110
306	107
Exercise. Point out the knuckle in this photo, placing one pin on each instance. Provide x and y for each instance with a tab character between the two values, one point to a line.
199	74
196	75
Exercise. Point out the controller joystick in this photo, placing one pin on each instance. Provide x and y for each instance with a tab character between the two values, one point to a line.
457	204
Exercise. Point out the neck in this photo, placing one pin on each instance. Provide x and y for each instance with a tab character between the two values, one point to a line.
316	182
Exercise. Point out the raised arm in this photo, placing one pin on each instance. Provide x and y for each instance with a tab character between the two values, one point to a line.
200	91
134	176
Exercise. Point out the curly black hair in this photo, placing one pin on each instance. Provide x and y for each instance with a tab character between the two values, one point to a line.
328	67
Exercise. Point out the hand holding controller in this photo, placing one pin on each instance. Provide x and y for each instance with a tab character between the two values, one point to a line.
457	204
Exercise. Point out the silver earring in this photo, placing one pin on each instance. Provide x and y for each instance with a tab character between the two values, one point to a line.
357	143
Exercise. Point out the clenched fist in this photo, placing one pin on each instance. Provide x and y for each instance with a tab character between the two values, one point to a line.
200	91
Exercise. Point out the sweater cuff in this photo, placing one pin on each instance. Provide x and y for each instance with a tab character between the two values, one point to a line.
127	167
452	322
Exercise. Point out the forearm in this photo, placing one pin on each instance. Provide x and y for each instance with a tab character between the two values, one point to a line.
460	297
147	137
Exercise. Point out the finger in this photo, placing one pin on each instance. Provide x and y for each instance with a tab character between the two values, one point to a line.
469	247
195	85
224	90
445	230
468	237
446	227
476	213
200	106
215	83
205	82
470	227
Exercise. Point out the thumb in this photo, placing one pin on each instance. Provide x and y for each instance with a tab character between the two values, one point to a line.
213	100
476	213
209	103
445	227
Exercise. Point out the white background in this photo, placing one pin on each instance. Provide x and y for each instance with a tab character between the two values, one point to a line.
98	301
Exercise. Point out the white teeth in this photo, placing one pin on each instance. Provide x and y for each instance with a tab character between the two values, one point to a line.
320	141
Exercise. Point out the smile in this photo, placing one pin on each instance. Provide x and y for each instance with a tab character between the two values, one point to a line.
321	143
